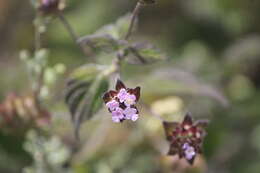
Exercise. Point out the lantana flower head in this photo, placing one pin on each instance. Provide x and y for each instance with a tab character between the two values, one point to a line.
186	138
121	102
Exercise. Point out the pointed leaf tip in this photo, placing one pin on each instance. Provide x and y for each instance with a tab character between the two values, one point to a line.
144	53
188	119
169	128
119	85
137	91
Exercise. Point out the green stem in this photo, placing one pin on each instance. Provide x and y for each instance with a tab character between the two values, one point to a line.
71	32
68	27
38	46
120	54
134	15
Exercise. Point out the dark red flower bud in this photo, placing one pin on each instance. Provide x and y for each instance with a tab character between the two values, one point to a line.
185	138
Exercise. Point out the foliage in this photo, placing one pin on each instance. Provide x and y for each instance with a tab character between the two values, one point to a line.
49	154
211	70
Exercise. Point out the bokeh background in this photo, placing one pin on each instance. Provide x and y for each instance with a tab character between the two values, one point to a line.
212	71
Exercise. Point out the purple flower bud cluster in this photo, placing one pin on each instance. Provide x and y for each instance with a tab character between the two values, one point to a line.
186	138
121	102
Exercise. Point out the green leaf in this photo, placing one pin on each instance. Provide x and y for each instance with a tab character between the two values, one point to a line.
144	54
84	93
118	29
75	92
109	38
100	42
87	72
91	102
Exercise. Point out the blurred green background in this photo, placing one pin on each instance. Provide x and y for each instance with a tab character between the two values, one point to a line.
213	72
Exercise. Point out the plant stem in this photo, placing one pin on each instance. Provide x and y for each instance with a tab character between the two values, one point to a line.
134	15
71	32
120	54
116	64
68	27
37	39
38	46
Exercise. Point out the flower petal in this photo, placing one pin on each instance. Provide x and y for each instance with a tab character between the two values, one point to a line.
130	100
129	112
122	95
134	117
116	119
112	105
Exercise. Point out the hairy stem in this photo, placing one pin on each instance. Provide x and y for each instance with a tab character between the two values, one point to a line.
134	15
68	27
120	54
71	32
38	45
37	39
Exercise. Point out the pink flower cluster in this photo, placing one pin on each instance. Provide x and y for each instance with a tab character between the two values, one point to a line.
121	102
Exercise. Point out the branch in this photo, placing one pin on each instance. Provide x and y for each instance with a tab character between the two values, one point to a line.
67	26
37	39
40	83
134	15
120	54
70	30
38	45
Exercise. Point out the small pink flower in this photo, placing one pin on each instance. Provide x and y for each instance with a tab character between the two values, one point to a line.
134	117
117	115
189	151
130	100
130	112
122	95
115	119
112	105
